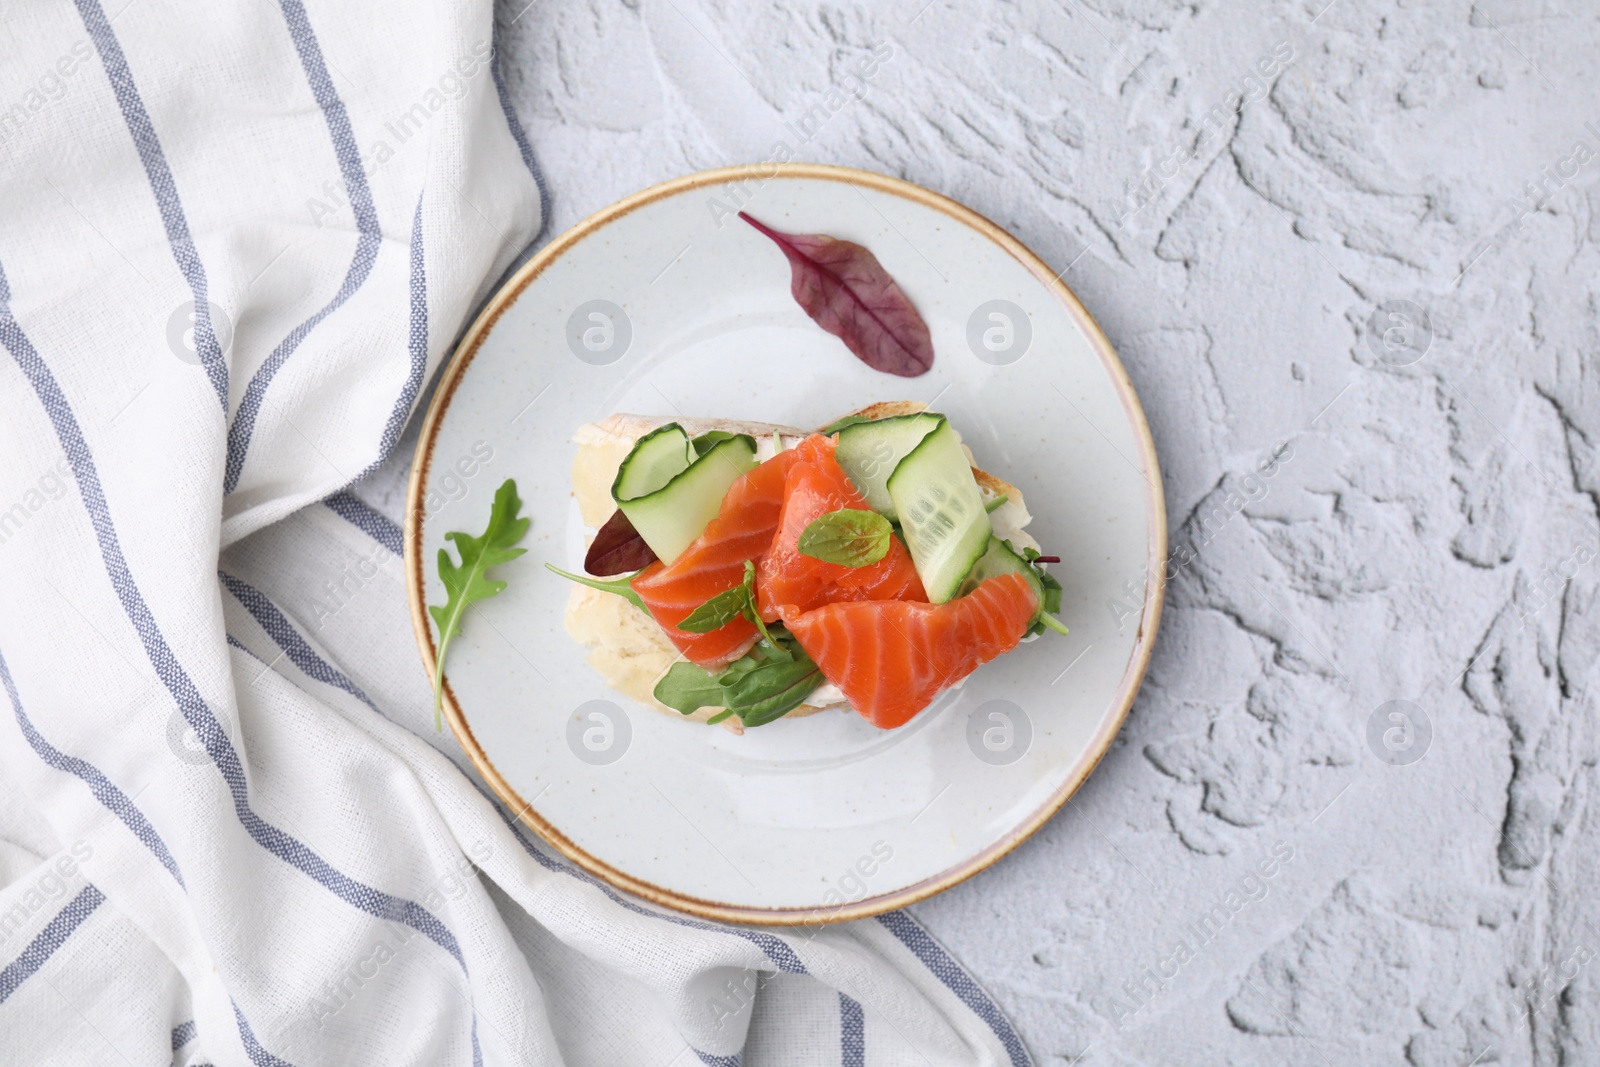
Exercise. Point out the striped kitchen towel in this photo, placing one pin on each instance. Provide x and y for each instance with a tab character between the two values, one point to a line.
236	242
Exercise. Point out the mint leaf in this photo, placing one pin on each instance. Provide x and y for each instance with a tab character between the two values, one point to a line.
849	537
728	605
686	688
717	612
468	582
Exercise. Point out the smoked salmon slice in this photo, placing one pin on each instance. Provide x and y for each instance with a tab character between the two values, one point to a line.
714	563
890	658
788	582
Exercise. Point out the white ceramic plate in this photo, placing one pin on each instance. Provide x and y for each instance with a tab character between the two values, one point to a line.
824	817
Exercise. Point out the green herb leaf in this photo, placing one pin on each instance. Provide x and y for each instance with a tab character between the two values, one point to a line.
1052	592
849	537
743	665
763	685
468	582
773	648
717	612
686	688
754	616
991	506
728	605
771	690
623	587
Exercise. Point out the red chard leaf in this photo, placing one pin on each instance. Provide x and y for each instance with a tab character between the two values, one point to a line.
846	291
617	548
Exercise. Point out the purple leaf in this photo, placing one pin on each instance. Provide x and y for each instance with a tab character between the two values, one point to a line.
617	548
846	291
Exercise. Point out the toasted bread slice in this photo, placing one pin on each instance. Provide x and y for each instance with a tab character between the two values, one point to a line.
628	649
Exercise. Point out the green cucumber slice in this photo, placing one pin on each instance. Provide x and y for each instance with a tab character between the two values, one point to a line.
674	514
1003	558
869	452
838	424
709	440
941	511
657	458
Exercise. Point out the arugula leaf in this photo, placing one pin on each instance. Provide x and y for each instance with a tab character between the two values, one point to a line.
849	537
991	506
468	582
686	688
717	612
623	587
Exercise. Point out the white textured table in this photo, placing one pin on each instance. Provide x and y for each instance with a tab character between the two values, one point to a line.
1413	542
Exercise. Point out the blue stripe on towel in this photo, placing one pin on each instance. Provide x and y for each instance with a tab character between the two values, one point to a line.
355	183
165	189
416	344
282	631
518	133
368	520
258	1055
52	937
911	934
852	1033
102	787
